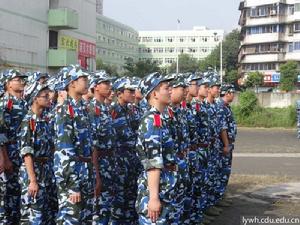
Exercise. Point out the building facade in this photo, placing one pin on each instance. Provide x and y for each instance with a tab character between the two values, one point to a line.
270	36
46	35
165	46
115	42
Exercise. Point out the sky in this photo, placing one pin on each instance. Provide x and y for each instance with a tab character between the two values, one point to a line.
163	14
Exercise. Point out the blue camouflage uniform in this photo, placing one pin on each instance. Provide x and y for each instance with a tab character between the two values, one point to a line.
36	140
72	159
103	136
12	112
128	165
156	149
215	190
227	123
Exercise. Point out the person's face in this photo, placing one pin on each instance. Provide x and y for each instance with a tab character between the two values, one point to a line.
138	95
193	88
214	91
203	90
17	84
43	99
104	89
128	95
42	80
81	85
177	95
230	97
163	93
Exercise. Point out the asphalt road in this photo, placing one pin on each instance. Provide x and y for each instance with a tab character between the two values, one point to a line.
258	140
267	152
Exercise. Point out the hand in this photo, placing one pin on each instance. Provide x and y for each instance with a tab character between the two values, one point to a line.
75	197
154	209
2	166
226	150
33	189
8	166
98	187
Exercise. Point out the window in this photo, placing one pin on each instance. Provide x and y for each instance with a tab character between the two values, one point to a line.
291	47
297	27
158	50
297	46
53	39
170	39
169	60
297	7
158	39
170	50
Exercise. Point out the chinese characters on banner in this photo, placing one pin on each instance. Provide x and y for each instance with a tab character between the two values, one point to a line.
87	49
67	42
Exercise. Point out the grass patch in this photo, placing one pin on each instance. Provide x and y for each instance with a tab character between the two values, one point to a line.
266	117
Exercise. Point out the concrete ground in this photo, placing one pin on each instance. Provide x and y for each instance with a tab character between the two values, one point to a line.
265	179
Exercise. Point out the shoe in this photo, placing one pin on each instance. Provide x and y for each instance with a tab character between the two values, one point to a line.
213	211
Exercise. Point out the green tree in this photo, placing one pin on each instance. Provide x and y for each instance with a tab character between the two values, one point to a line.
111	69
231	77
140	68
186	63
288	75
230	48
254	79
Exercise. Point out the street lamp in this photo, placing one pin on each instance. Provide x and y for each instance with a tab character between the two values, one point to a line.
221	58
176	38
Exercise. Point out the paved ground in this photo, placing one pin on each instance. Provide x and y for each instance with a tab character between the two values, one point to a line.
265	164
252	140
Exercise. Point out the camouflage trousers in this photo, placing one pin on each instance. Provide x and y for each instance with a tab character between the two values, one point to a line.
2	195
79	213
13	197
214	175
196	175
123	207
13	189
43	208
170	214
183	189
225	169
103	204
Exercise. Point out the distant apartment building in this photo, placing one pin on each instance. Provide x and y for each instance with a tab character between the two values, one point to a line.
270	36
165	46
115	42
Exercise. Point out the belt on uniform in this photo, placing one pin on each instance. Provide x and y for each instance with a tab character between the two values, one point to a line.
105	153
41	160
171	167
82	159
193	147
202	145
182	154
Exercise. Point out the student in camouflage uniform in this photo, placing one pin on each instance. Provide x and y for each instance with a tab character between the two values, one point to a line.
228	125
196	172
36	173
205	140
215	189
123	210
12	111
73	156
3	140
103	136
178	125
157	182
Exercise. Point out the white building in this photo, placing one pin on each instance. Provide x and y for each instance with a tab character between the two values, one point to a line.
270	36
165	46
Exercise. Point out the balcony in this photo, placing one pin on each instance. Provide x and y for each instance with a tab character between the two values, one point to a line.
62	19
61	57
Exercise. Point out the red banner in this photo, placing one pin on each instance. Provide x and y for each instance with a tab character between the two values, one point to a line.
87	49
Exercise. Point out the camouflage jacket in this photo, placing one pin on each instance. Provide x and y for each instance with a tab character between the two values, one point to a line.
74	138
101	121
227	120
122	124
155	145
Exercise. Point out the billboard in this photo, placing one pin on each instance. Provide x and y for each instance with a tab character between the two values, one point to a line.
67	42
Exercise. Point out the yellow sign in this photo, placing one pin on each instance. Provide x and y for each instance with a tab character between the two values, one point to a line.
67	42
